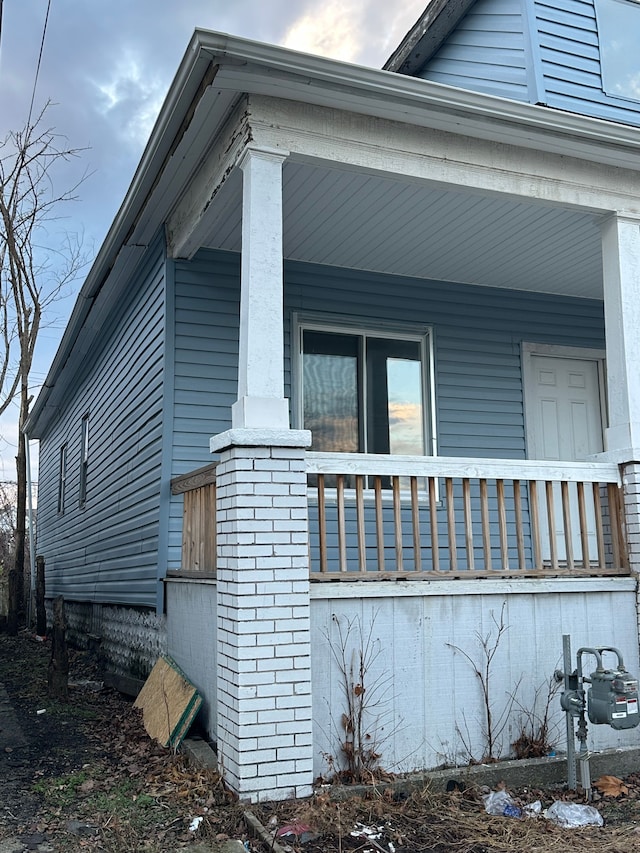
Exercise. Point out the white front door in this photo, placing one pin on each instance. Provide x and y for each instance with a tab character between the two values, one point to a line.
564	423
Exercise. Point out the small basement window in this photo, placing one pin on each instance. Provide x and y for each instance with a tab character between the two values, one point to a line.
619	37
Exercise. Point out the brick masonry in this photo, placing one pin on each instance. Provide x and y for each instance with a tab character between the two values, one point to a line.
631	491
263	623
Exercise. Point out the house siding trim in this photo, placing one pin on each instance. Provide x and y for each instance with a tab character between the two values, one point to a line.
533	58
167	429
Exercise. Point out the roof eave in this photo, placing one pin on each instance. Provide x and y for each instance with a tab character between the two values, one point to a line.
368	91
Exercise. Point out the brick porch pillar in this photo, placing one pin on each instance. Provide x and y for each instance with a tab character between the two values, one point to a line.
631	492
263	644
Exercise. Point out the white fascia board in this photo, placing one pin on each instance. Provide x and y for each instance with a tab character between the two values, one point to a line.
318	80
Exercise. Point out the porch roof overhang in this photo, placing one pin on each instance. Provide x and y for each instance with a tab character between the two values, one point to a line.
217	71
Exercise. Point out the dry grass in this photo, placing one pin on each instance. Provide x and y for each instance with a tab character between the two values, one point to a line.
428	822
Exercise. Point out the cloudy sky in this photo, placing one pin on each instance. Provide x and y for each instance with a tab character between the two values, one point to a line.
106	67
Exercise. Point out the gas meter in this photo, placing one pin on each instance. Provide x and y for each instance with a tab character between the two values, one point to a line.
613	697
611	700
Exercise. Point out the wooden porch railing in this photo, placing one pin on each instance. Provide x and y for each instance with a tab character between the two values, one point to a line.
385	516
198	520
377	517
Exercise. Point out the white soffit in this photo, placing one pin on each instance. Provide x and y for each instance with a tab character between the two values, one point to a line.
361	221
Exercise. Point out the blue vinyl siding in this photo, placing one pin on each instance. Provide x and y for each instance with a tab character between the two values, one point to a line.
568	37
477	336
207	310
478	333
535	51
107	551
486	52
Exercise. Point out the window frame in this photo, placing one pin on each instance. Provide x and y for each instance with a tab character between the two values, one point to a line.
333	324
62	478
606	77
84	460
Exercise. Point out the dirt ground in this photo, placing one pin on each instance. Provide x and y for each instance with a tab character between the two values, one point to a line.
83	775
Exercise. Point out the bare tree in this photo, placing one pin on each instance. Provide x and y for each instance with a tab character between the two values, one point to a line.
35	269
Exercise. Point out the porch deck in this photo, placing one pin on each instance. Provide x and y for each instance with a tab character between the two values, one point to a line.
373	517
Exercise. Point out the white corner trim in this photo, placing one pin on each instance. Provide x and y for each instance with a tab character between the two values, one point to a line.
260	438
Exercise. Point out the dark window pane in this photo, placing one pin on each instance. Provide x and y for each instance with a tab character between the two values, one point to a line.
330	398
394	397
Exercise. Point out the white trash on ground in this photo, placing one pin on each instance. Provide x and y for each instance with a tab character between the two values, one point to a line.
565	814
571	815
501	803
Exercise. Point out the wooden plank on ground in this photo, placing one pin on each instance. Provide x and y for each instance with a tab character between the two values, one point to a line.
169	703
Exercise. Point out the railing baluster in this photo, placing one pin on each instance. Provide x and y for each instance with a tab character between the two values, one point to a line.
612	494
551	521
502	525
415	521
566	523
342	527
517	505
584	530
620	527
535	525
322	525
597	506
468	524
486	527
377	488
433	525
188	532
451	526
397	522
362	542
210	549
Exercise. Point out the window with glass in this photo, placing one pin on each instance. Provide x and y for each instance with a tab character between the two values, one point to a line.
619	37
84	459
365	391
62	477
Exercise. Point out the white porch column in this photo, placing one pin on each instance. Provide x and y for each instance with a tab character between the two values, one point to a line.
621	267
261	402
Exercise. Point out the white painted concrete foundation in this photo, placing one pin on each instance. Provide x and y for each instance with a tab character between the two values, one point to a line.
425	703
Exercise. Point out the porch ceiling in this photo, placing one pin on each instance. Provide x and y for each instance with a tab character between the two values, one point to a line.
365	221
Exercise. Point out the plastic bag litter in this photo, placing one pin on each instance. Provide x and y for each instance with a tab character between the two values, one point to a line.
571	815
501	803
533	809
